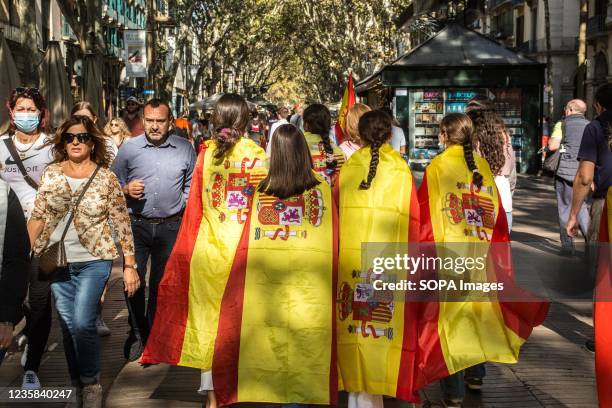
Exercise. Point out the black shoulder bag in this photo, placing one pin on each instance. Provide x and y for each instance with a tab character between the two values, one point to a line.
552	162
13	151
54	256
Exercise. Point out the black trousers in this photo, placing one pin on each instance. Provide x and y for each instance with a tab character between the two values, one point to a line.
153	241
38	318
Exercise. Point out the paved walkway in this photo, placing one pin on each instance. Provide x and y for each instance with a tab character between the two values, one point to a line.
554	369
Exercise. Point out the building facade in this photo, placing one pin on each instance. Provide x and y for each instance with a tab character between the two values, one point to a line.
520	26
599	47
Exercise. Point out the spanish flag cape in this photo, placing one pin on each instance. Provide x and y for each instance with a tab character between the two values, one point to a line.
459	334
276	333
377	334
317	151
190	293
603	309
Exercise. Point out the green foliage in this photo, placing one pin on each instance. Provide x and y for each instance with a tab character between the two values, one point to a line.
308	46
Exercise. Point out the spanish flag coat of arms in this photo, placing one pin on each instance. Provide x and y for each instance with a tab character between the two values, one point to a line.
190	293
276	334
377	332
457	334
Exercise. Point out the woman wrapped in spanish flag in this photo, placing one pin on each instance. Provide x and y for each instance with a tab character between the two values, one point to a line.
327	158
377	332
462	215
227	172
276	333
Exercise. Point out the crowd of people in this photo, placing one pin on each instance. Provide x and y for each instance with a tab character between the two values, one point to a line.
251	233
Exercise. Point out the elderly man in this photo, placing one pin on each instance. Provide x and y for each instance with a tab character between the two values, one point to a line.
567	136
154	170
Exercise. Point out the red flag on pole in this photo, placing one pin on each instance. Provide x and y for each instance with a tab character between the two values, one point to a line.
348	100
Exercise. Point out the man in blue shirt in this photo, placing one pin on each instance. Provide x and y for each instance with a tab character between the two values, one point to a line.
155	171
594	173
595	168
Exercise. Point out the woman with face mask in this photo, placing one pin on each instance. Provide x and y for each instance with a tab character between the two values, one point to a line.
24	154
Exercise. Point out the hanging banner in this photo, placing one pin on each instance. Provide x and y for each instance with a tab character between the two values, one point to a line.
135	53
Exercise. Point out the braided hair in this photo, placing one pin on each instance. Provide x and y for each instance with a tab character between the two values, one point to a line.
459	130
230	118
317	120
375	128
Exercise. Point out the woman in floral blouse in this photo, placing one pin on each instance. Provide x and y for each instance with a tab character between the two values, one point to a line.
80	148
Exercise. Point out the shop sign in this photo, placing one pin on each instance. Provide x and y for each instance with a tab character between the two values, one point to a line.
432	95
135	53
460	95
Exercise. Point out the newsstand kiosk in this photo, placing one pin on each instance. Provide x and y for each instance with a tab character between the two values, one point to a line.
443	74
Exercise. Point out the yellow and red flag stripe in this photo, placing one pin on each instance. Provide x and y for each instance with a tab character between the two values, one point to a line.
276	332
459	334
348	100
377	331
603	309
190	293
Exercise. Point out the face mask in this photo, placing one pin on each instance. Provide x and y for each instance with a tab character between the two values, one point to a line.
26	121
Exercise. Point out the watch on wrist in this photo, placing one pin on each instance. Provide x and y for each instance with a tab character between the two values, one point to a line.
135	267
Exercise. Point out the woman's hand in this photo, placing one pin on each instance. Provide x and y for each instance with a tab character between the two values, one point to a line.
131	281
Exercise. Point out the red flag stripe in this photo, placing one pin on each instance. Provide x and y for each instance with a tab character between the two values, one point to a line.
165	341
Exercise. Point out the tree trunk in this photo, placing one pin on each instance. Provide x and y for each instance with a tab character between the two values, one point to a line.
29	41
581	71
549	74
151	39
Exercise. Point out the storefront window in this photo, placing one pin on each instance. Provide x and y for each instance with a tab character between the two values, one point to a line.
427	107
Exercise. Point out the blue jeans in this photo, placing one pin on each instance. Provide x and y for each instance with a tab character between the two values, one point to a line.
453	386
509	218
76	301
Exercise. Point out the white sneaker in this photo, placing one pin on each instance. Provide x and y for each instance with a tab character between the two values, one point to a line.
101	327
24	355
30	381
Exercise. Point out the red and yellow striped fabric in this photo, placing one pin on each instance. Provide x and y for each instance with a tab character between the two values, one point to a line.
603	309
459	334
276	332
190	293
377	331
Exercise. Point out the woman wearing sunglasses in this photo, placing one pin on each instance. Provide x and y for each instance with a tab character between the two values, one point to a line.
24	154
118	130
80	169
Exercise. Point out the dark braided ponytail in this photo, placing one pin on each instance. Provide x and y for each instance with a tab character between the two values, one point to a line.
317	120
459	130
468	154
375	128
230	118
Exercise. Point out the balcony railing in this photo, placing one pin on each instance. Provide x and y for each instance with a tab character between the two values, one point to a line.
556	44
596	25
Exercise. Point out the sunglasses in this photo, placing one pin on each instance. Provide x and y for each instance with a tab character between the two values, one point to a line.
81	137
26	91
114	124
